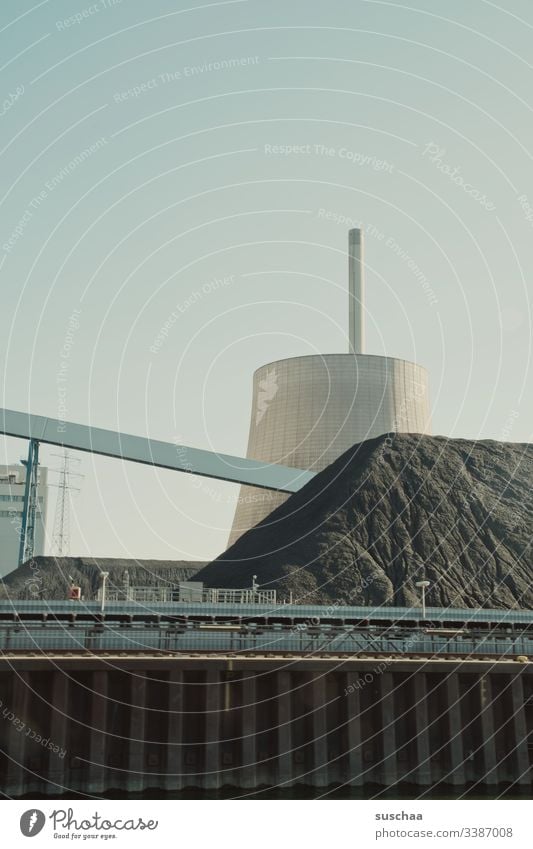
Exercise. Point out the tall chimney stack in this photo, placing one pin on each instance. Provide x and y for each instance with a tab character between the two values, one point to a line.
356	292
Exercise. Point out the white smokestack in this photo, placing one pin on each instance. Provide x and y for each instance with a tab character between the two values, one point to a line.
356	292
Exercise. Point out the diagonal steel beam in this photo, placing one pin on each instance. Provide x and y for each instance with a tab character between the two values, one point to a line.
153	452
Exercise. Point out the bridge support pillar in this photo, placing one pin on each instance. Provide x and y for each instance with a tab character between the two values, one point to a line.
59	767
249	730
98	736
174	777
389	770
423	749
320	732
487	725
285	754
16	740
455	730
136	759
353	730
520	731
213	699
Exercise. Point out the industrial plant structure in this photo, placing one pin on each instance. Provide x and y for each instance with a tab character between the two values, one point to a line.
232	690
307	411
12	488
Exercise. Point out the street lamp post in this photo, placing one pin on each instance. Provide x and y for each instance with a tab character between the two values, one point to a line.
254	588
104	576
423	586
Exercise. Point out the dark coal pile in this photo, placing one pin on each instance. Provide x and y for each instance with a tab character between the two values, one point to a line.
48	577
394	510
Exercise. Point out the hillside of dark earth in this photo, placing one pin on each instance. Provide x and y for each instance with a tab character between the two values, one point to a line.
48	577
394	510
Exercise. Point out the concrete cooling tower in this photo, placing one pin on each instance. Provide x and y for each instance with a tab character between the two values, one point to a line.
306	411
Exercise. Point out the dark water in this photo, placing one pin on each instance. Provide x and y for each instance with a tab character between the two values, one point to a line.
400	792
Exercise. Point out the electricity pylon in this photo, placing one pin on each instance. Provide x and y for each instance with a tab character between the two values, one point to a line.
61	536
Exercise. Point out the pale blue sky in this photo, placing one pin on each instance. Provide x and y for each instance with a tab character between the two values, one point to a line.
184	186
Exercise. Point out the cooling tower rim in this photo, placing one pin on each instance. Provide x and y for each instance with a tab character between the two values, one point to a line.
342	355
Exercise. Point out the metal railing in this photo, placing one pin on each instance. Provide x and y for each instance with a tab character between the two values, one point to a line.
148	595
223	596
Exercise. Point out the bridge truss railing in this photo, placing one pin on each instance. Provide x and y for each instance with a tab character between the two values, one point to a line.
197	637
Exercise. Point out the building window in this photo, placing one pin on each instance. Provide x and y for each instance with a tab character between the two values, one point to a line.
8	479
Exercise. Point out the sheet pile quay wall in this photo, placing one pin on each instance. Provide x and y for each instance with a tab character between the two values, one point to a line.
94	724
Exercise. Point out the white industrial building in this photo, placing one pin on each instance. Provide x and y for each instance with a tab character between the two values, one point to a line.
307	411
12	482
